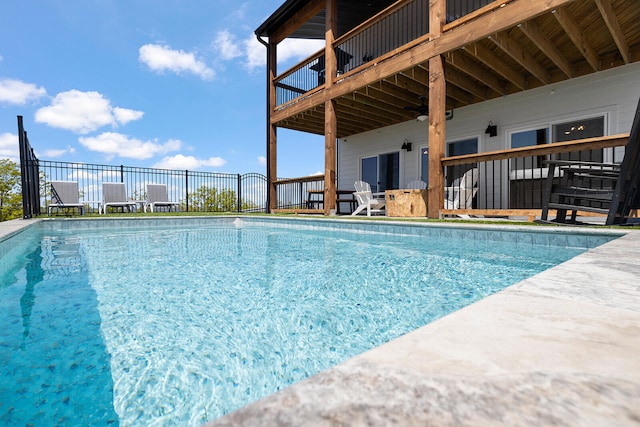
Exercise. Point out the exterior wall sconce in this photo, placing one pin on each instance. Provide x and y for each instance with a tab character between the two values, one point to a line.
406	145
491	130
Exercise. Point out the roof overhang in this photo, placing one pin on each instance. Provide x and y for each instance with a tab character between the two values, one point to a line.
351	13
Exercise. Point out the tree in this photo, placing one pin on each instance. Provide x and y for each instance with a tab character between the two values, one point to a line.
10	190
210	199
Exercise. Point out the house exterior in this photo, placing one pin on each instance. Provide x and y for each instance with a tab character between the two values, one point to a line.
415	89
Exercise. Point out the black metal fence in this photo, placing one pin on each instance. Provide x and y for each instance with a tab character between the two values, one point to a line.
295	193
29	170
195	191
515	179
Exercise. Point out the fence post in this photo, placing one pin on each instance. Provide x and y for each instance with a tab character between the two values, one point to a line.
186	186
121	174
30	183
239	193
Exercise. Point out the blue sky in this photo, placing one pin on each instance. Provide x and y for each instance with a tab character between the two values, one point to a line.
178	84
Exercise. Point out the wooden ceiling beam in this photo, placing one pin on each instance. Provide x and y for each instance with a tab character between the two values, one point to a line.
455	77
358	108
461	96
393	114
468	66
571	27
393	90
512	48
355	117
383	96
418	89
544	43
491	60
604	6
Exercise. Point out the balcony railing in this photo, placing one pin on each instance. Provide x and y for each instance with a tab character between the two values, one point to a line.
505	182
399	25
513	180
294	193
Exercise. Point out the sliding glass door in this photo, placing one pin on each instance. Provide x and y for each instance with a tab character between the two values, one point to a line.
382	172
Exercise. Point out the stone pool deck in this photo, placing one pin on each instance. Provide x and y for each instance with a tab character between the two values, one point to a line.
560	349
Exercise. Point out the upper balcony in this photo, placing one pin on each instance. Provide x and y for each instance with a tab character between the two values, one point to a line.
492	48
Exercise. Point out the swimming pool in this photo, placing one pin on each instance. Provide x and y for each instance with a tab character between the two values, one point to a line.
176	322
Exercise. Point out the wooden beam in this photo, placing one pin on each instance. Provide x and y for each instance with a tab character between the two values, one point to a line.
544	43
571	27
488	58
466	65
595	143
512	48
272	130
413	86
388	99
614	27
456	78
437	135
330	117
330	135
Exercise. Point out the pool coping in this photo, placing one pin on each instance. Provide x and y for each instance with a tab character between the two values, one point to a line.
559	348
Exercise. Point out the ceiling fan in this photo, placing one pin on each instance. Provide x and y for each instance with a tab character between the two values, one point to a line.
423	110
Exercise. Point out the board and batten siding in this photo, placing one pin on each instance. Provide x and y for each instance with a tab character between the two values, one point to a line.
613	93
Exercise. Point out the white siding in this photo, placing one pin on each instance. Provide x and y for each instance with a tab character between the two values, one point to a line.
614	93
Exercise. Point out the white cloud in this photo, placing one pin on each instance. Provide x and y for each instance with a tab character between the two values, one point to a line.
19	93
58	152
262	160
124	116
83	175
316	173
9	147
83	112
226	45
162	58
180	161
116	144
288	49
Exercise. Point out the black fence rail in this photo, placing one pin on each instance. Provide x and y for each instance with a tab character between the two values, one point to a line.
195	191
515	179
29	170
296	193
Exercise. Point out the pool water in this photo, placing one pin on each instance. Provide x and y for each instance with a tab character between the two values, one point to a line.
178	325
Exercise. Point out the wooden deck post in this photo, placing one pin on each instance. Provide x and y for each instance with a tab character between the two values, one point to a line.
330	119
272	145
437	111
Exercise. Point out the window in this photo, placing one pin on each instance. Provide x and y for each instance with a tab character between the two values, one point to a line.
580	129
424	165
460	148
526	139
382	172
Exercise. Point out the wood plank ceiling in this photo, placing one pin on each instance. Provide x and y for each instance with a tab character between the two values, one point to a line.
578	39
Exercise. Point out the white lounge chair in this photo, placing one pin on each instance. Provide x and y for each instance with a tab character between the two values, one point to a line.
114	194
366	199
157	196
460	195
64	194
416	185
